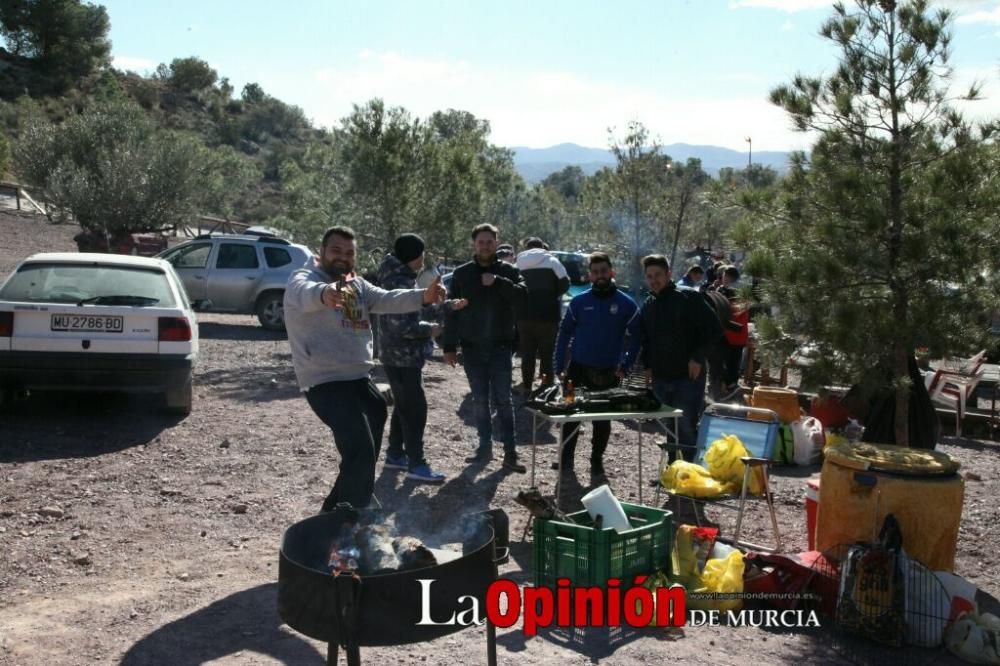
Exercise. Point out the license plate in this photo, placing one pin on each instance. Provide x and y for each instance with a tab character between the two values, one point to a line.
87	323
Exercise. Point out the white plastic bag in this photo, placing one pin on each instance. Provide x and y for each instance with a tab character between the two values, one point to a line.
808	440
975	638
927	605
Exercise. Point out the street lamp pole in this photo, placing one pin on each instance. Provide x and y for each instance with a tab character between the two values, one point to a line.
749	153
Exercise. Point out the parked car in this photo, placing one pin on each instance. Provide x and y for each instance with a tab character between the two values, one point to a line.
88	322
238	273
142	244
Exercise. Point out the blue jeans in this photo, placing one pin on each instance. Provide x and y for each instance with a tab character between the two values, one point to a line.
489	373
687	396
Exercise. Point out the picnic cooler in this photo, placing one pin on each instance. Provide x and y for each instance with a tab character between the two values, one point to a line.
589	557
812	507
784	402
863	483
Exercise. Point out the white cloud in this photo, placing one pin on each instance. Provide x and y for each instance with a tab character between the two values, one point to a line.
543	107
988	106
128	63
787	26
981	16
783	5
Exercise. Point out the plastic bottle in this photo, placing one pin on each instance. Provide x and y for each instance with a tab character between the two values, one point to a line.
568	393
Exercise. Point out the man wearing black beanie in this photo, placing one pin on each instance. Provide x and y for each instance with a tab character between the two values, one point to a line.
408	247
402	341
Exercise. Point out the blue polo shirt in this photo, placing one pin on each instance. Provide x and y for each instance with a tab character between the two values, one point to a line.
594	329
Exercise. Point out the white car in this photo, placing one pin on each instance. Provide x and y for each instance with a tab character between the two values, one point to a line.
97	322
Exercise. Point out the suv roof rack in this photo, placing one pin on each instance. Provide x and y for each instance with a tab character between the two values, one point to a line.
272	239
260	238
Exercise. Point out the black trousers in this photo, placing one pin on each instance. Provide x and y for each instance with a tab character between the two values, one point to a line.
537	339
596	379
355	412
409	413
733	361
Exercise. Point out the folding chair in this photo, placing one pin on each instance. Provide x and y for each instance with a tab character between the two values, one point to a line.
757	429
952	390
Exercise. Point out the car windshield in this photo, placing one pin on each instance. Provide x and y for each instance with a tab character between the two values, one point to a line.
88	283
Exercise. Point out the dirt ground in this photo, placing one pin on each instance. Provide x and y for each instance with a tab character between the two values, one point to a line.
127	536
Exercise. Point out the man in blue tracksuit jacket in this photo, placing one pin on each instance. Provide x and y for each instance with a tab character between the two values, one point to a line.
594	331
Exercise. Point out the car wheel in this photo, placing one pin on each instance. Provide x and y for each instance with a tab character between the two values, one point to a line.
179	397
271	311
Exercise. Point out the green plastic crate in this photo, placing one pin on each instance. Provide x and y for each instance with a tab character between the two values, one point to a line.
589	557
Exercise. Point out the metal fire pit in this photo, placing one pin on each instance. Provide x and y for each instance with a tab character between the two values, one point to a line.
350	612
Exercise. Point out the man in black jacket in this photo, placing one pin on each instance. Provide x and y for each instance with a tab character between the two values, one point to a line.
485	332
678	330
538	317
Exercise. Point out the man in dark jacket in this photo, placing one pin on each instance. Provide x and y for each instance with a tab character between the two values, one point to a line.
596	321
538	316
402	342
678	329
485	332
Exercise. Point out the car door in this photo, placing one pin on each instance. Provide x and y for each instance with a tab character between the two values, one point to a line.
233	279
190	262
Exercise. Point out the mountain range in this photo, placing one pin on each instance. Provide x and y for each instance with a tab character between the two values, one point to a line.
534	164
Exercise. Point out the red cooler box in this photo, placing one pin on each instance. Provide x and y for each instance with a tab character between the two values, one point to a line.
812	505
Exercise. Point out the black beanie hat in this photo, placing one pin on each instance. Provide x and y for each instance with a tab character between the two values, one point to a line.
408	247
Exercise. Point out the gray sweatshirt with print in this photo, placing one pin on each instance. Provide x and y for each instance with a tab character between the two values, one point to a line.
329	344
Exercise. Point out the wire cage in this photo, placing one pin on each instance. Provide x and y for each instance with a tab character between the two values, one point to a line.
881	606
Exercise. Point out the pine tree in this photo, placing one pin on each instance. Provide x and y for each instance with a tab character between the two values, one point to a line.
884	236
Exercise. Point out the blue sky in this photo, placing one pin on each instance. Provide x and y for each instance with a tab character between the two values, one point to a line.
543	72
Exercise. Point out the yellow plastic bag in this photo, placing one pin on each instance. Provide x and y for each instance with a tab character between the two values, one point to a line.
721	576
723	462
689	479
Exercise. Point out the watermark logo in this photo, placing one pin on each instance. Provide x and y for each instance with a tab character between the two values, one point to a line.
638	606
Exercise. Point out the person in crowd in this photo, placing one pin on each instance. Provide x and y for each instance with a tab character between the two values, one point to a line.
402	350
593	331
538	316
736	335
485	333
505	253
713	277
718	352
677	330
693	278
327	309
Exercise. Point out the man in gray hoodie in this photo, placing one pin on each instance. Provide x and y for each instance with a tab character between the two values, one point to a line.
327	311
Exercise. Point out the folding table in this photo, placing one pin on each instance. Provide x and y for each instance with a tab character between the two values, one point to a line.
663	416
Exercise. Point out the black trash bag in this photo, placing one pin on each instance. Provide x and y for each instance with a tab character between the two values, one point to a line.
879	422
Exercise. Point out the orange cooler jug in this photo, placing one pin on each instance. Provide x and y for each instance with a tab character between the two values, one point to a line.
863	483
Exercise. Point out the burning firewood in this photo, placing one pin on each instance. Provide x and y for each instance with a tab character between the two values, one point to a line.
412	553
377	553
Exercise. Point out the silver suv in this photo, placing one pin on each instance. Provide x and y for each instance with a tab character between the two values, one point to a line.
238	273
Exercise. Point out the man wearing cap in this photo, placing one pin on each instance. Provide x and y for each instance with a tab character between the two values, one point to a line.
402	343
327	309
692	280
485	332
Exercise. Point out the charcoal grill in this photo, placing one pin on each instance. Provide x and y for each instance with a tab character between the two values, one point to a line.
379	610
